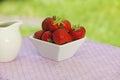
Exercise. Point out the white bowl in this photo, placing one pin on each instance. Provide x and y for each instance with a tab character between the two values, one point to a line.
54	51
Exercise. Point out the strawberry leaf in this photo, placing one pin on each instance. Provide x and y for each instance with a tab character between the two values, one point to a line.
58	20
76	27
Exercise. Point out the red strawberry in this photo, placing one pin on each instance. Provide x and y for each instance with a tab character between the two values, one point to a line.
66	25
60	36
69	38
50	24
53	25
47	36
45	23
38	34
78	33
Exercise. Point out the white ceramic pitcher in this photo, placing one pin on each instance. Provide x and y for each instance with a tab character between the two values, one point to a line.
10	40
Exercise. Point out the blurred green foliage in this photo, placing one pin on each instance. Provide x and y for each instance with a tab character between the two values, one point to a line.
100	17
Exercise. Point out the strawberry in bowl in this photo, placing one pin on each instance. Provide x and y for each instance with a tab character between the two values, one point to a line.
58	40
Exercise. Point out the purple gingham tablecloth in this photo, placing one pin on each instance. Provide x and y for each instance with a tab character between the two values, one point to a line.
92	61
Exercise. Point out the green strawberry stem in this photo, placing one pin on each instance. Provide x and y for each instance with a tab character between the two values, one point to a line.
54	17
58	20
76	27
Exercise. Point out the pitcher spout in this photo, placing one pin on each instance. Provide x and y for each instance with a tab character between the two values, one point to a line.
6	24
17	22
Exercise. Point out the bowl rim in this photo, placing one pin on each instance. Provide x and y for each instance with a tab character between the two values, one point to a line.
53	44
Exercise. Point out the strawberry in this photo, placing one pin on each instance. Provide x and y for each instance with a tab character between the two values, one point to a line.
45	23
50	24
47	36
60	36
78	33
38	34
69	38
65	24
53	25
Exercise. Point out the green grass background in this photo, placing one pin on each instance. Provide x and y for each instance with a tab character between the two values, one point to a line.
101	18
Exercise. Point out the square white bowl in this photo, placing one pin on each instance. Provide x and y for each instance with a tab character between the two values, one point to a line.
56	52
